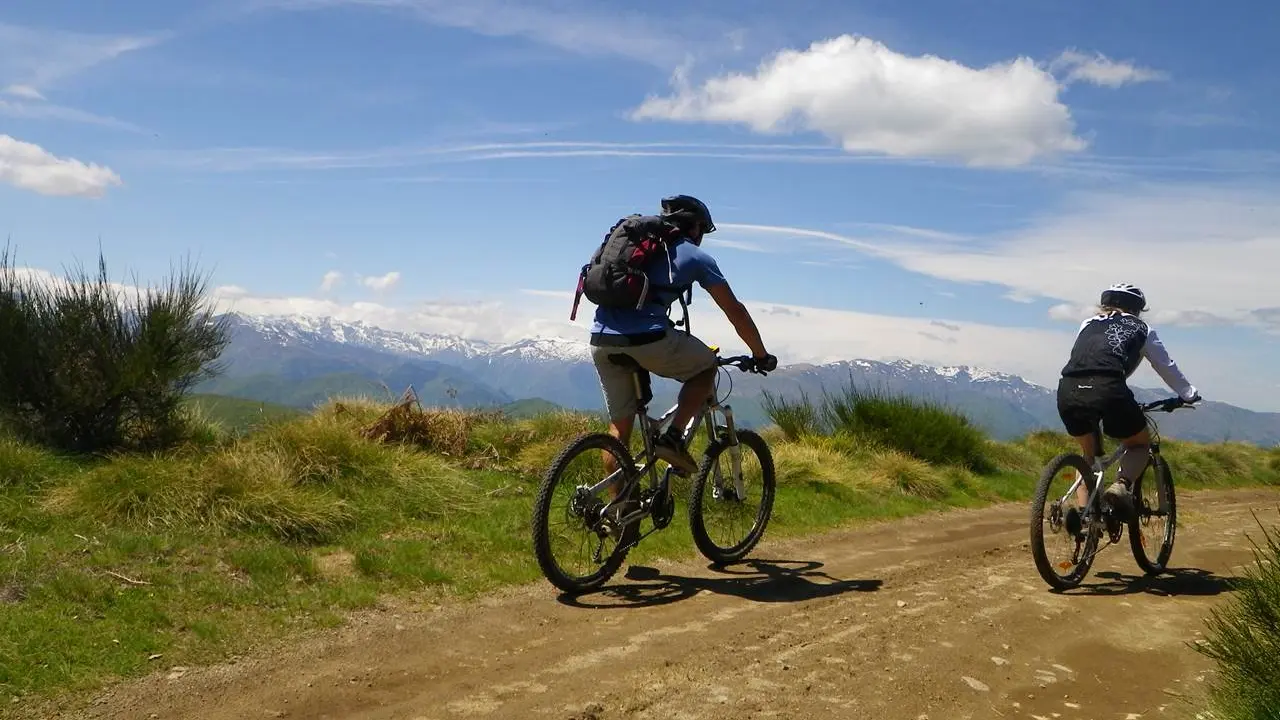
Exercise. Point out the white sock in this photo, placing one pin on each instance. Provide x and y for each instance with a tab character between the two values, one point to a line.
1133	463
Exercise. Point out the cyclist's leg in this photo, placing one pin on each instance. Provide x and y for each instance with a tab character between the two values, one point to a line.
617	384
1123	419
684	358
1077	408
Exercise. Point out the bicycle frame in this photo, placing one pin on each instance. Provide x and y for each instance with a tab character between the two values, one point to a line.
1101	463
641	382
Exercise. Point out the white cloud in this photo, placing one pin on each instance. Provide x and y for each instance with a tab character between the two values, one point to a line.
1203	254
382	282
1101	70
24	91
330	281
31	167
873	99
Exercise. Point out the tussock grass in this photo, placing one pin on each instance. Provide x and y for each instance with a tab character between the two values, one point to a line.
927	431
1244	639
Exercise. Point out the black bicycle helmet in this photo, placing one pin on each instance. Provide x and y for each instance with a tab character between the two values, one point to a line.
1128	298
684	209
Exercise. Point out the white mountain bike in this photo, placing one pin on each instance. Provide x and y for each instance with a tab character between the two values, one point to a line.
1078	527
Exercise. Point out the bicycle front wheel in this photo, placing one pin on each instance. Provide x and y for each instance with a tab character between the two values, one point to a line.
1155	518
732	498
1063	541
576	546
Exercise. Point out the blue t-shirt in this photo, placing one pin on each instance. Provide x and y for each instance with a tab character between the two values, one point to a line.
685	265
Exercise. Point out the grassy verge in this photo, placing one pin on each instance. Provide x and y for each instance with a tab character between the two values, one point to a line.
114	567
1244	640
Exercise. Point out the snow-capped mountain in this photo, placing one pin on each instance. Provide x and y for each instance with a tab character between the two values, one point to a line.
299	360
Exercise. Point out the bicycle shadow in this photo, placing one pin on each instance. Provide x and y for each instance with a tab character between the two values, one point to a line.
765	581
1171	583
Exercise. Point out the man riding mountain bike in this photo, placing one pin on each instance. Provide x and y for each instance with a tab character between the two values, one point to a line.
646	333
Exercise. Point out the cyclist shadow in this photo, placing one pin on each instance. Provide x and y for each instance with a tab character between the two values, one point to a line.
762	581
1173	582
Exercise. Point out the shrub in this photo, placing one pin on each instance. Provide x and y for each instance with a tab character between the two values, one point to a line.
795	418
924	430
1244	639
86	369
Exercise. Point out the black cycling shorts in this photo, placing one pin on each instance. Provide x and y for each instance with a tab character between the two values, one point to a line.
1084	401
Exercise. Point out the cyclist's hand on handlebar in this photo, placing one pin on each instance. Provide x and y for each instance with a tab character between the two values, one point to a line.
766	363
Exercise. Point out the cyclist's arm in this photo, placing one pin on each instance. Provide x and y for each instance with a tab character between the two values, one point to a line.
737	314
1166	368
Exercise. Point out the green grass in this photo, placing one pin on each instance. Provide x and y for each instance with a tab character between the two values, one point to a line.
922	429
231	540
239	416
1244	640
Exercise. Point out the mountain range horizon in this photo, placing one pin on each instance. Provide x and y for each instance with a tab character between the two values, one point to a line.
300	360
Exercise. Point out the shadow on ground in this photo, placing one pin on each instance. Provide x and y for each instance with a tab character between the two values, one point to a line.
1173	582
756	580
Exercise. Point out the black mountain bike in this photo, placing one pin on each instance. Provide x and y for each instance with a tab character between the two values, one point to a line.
1078	517
577	480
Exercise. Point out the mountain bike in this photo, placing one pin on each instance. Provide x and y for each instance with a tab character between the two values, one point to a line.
715	490
1081	526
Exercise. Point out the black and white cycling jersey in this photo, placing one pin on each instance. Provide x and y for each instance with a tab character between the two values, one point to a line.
1114	344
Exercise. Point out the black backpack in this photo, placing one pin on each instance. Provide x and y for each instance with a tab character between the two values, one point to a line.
616	277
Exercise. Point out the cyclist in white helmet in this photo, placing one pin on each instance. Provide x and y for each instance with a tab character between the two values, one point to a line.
1108	349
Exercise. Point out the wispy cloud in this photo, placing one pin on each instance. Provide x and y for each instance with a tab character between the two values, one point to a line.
24	91
50	111
715	242
36	58
30	167
278	159
1204	254
577	27
382	283
330	281
1102	70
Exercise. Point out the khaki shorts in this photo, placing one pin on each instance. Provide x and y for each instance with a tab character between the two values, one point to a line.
678	356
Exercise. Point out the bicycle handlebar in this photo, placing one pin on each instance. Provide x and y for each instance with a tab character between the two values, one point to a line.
1167	405
745	363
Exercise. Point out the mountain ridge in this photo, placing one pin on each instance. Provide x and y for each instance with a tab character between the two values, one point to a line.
287	355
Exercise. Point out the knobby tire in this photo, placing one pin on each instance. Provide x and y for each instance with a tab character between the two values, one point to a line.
588	442
697	526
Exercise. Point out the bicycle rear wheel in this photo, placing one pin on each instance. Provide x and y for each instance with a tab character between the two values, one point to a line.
1071	536
600	547
1154	522
717	494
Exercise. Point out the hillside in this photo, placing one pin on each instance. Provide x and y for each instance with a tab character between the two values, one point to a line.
173	561
299	361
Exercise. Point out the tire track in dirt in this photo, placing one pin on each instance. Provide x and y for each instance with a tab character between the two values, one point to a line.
938	616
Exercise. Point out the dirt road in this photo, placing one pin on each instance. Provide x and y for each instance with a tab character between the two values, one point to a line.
940	617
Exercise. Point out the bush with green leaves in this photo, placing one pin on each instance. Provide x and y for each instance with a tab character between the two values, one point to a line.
87	366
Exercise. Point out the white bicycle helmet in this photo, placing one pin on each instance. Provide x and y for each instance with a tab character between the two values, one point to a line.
1128	298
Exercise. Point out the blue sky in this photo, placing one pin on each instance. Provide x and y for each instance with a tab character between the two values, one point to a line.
952	181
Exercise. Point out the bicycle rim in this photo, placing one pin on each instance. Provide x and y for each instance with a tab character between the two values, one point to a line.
1152	529
1062	559
729	510
573	548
